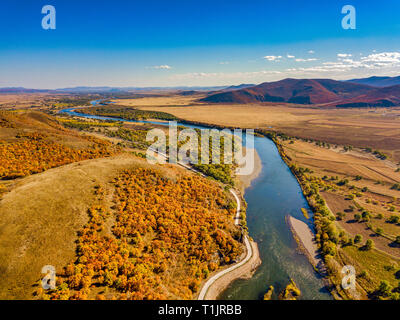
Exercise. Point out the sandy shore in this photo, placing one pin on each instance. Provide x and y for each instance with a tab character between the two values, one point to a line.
305	239
245	181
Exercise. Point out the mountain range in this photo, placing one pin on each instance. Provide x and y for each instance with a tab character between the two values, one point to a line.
326	92
365	92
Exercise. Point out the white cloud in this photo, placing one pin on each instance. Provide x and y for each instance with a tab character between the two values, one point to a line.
223	75
377	61
383	57
343	67
290	56
224	62
163	66
306	60
344	55
273	58
311	52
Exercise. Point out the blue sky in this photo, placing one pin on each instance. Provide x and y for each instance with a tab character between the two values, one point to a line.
168	43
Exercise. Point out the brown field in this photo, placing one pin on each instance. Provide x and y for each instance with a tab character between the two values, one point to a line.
377	264
166	100
337	162
337	204
347	165
23	100
378	199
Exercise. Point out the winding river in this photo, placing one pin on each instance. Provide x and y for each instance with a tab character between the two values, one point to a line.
273	195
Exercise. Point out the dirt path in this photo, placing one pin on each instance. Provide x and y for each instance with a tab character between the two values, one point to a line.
219	281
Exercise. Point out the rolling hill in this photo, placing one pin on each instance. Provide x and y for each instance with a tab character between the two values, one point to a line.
379	97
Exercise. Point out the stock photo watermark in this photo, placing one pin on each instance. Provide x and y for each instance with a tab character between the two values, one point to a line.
349	278
191	146
49	280
49	20
349	20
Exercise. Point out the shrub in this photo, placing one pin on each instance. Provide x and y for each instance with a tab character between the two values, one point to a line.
384	288
364	274
394	219
369	244
396	186
358	238
340	215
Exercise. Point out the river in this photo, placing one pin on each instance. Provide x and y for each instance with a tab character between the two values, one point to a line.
273	195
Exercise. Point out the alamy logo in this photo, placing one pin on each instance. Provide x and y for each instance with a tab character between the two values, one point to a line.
349	20
49	20
205	146
349	279
49	280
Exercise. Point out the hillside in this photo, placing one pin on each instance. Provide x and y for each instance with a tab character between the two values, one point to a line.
312	91
115	227
112	225
33	142
380	97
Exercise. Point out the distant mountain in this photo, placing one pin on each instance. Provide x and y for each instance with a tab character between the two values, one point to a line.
378	81
301	91
188	92
240	86
133	89
377	97
88	90
20	90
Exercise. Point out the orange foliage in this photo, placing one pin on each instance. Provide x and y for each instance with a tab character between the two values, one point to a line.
35	153
168	235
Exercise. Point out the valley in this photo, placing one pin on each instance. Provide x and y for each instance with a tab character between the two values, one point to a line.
347	157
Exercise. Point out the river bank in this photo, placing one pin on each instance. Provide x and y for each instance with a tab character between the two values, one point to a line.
244	271
305	239
250	259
